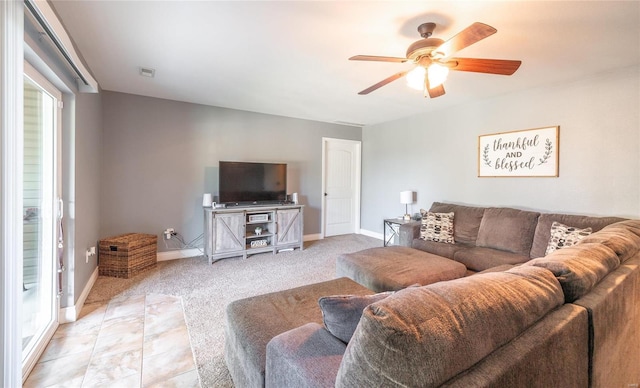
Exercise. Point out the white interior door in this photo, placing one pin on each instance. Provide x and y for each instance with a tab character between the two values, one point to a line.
341	186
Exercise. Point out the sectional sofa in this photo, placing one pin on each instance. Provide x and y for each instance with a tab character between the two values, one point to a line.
517	316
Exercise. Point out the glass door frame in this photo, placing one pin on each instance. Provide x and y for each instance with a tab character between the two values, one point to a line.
54	206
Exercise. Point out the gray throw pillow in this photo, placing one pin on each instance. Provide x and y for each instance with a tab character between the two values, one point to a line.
341	313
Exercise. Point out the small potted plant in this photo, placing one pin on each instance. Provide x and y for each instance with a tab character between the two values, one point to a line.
258	230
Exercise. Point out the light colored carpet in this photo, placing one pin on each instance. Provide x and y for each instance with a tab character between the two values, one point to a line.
207	289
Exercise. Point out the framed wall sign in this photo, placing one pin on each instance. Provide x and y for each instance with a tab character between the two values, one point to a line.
526	153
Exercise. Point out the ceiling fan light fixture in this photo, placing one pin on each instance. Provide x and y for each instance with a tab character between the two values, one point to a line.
415	78
437	74
432	58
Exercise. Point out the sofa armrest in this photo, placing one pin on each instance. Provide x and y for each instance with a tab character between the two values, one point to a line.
551	353
614	313
408	232
307	356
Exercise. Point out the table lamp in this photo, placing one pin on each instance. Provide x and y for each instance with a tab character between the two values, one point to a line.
406	197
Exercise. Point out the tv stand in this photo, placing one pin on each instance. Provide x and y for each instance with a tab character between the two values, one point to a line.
246	230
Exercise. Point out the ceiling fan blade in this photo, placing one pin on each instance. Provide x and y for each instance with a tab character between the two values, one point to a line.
434	92
489	66
377	58
383	82
465	38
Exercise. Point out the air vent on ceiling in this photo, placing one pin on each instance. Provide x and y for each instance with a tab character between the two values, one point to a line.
147	72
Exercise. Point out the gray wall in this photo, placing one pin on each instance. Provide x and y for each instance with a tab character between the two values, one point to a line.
436	155
86	187
160	156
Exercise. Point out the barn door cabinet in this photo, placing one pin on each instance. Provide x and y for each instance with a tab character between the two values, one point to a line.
243	231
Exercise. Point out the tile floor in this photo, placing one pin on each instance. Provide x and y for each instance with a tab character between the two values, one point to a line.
137	341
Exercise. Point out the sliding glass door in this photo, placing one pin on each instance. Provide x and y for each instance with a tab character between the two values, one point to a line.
41	215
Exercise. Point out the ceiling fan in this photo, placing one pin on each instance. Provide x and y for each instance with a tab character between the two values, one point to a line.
432	57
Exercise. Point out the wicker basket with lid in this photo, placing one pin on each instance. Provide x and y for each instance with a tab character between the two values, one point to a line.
127	254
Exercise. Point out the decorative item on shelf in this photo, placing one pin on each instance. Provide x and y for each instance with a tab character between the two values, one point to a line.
207	200
263	217
258	230
259	243
294	198
406	197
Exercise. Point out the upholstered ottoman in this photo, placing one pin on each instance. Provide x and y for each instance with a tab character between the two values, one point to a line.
395	268
252	322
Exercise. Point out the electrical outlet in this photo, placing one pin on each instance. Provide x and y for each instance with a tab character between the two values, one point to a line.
168	233
88	253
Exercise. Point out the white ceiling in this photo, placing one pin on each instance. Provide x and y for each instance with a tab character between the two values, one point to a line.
289	58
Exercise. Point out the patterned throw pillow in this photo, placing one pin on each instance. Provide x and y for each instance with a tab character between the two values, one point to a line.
565	236
437	227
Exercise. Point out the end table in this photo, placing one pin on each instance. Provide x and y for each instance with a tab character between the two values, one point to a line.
392	230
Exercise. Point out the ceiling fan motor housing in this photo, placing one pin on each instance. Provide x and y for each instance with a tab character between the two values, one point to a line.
423	47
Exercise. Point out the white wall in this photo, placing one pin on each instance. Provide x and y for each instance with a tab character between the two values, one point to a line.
436	154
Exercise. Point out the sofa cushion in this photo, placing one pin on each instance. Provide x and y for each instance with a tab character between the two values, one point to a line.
499	268
466	223
563	236
292	358
440	249
543	229
619	238
437	227
424	336
578	268
632	226
250	323
479	259
507	229
341	313
394	268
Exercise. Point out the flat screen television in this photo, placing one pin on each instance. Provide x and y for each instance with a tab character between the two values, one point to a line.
246	183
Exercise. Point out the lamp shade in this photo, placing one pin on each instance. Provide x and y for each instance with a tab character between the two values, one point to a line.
406	197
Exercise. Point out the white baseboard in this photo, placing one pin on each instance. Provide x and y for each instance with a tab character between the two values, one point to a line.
70	314
312	237
179	254
369	233
185	253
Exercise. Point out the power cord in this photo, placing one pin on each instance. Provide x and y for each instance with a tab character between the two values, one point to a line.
193	244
